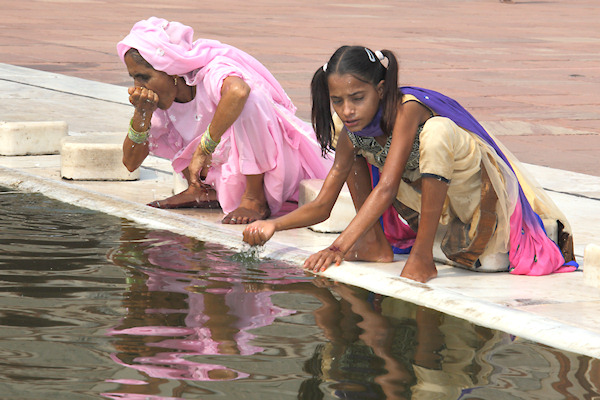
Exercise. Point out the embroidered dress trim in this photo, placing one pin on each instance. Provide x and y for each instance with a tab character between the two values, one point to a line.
370	145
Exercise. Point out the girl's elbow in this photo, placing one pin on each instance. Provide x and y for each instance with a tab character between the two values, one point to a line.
321	210
387	192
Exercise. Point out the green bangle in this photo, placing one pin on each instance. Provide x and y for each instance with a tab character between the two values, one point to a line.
135	136
207	144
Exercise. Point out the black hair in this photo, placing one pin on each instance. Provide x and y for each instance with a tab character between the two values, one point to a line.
137	57
361	63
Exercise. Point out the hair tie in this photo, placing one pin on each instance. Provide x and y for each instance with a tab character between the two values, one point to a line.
379	55
325	67
371	55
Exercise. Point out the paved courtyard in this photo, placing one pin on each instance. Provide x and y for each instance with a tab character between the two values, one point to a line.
529	70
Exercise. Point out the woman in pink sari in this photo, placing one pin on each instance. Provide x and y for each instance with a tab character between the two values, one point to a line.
220	117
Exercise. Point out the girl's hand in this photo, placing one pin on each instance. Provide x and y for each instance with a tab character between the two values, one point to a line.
144	100
259	232
320	261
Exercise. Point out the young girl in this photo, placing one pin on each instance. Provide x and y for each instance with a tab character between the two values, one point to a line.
438	166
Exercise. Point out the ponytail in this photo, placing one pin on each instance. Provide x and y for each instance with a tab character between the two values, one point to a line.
391	94
322	120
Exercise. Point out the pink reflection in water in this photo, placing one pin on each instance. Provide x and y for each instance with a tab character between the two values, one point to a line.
219	305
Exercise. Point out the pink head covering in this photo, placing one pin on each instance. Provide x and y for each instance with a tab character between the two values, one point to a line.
169	47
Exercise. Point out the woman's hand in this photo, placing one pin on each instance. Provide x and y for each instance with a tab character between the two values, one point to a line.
320	261
144	100
199	161
259	232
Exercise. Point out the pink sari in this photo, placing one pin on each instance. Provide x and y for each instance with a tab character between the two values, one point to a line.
267	138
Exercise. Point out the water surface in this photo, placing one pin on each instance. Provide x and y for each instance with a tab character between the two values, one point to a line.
97	307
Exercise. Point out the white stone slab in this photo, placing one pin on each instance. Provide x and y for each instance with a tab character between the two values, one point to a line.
97	157
179	183
23	138
343	211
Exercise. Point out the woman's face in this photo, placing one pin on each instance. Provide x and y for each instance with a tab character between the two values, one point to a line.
355	102
159	82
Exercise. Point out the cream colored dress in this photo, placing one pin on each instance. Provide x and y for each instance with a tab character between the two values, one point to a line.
478	206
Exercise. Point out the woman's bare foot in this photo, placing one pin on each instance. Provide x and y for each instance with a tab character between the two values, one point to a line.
249	211
193	197
420	269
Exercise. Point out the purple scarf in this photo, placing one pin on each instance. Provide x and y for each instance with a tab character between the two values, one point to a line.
374	127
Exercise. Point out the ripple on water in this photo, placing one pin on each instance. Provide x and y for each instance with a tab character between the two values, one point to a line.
95	306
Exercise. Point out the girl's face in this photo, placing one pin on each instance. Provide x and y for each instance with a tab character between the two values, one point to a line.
159	82
355	102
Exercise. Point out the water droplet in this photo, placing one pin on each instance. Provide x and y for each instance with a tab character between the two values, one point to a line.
249	254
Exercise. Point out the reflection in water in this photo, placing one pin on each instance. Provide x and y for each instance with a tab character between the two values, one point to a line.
188	306
165	316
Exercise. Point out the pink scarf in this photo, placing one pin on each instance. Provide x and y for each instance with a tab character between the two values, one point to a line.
169	47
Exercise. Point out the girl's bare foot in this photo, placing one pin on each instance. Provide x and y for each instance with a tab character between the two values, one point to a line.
420	269
373	251
193	197
372	246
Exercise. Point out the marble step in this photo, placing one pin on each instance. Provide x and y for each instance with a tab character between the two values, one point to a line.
95	157
31	138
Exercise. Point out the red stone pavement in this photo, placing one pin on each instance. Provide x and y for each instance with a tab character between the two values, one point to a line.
531	63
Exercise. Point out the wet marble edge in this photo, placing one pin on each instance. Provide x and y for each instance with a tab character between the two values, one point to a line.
456	292
380	278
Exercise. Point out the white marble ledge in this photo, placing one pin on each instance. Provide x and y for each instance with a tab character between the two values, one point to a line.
449	293
65	84
519	290
583	314
566	181
536	323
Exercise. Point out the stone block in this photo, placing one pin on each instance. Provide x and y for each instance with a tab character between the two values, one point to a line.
179	183
591	265
95	157
343	211
24	138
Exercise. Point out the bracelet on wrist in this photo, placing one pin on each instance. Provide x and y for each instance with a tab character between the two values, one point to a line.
207	144
135	136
